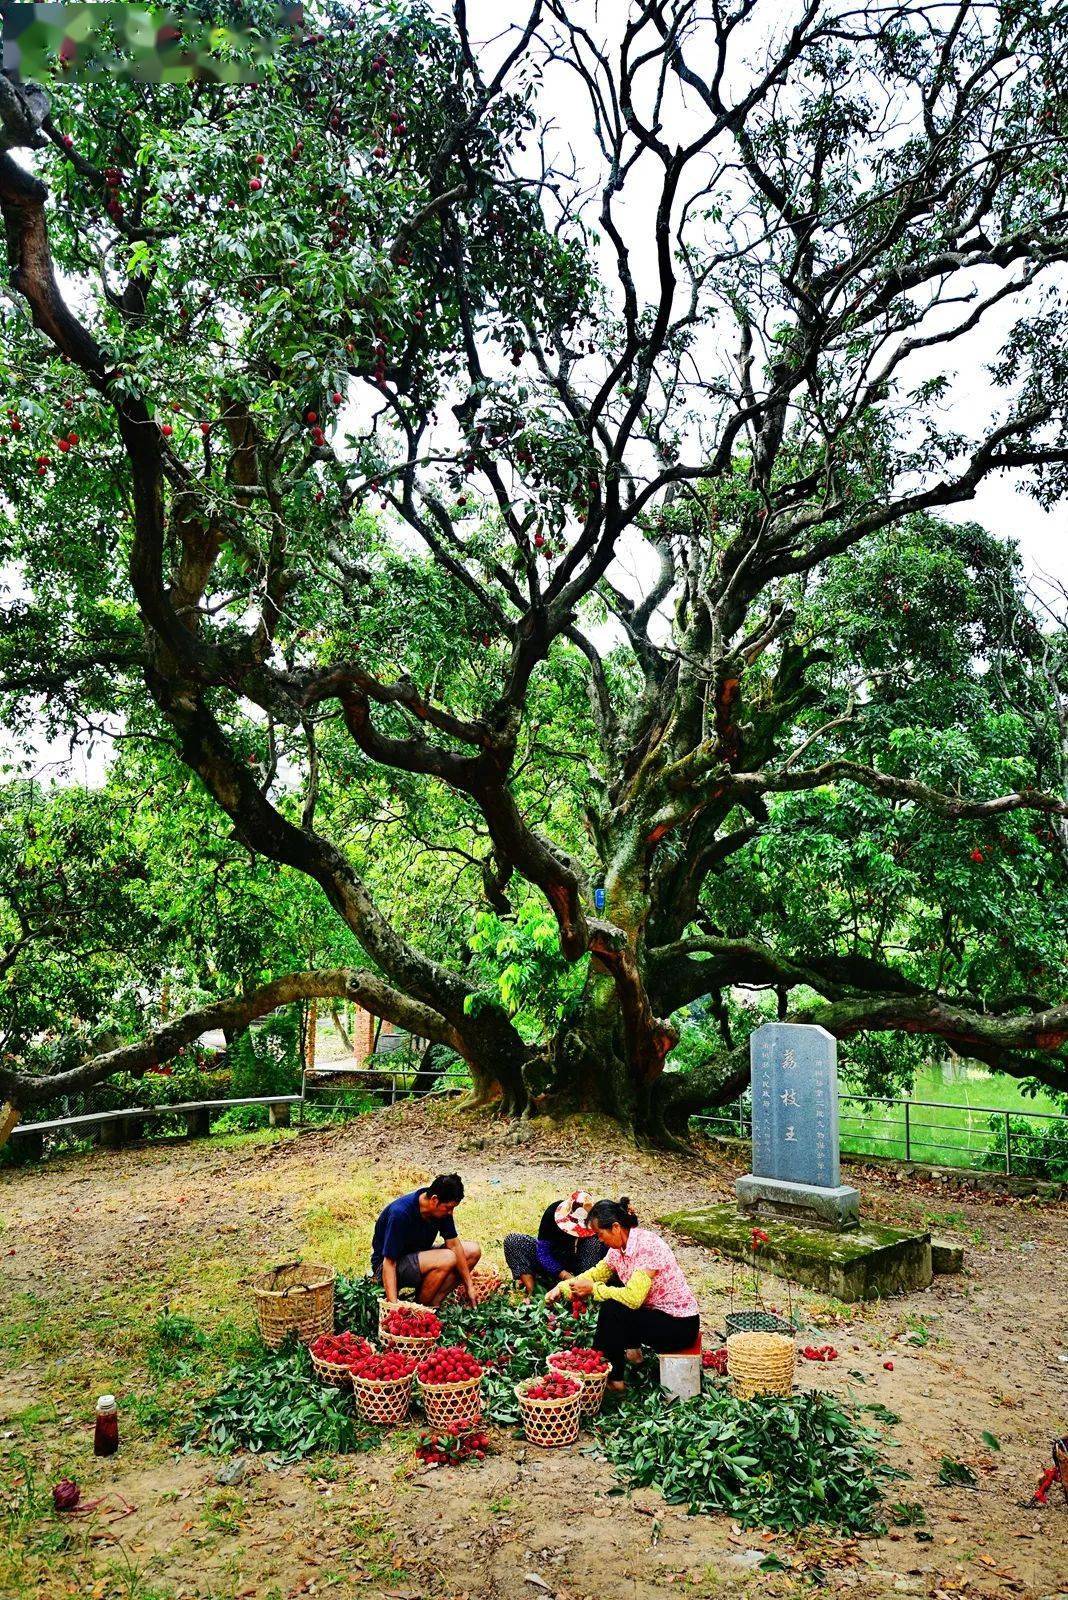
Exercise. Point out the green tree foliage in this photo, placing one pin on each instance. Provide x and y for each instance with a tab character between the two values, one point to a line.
453	533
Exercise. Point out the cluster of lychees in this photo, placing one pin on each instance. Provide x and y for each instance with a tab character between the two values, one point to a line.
409	1323
451	1364
455	1443
578	1360
557	1387
341	1349
820	1352
384	1366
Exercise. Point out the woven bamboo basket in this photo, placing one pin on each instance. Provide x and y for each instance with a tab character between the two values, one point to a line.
406	1343
294	1299
386	1306
338	1373
384	1309
383	1400
760	1363
484	1282
593	1384
452	1402
550	1423
331	1372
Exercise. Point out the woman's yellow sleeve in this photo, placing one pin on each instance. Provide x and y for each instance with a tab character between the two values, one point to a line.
598	1274
632	1294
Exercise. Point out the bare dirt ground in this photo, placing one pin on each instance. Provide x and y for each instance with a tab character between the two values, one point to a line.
92	1247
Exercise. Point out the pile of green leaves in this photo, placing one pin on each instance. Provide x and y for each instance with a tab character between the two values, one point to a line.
356	1303
781	1462
784	1462
275	1404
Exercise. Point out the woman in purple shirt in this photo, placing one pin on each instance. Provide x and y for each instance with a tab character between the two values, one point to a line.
565	1245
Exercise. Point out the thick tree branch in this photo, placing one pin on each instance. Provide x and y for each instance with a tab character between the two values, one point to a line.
25	1090
885	783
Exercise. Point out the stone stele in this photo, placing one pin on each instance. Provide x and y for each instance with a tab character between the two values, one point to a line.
796	1169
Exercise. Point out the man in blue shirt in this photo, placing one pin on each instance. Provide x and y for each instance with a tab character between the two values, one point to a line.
402	1250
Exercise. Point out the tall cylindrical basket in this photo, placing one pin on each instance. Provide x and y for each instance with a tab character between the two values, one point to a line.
294	1299
552	1424
593	1383
760	1363
406	1343
383	1400
452	1402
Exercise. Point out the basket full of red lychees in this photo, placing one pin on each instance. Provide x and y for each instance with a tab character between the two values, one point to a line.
450	1386
551	1409
590	1367
411	1330
382	1383
334	1354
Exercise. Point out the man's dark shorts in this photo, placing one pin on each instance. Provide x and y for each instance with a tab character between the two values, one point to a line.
408	1273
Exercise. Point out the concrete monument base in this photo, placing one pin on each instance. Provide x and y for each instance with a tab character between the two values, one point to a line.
863	1263
806	1203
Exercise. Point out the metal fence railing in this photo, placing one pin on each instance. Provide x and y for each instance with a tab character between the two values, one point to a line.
120	1124
981	1138
385	1084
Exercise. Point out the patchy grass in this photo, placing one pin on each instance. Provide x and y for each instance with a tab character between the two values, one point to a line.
955	1222
339	1219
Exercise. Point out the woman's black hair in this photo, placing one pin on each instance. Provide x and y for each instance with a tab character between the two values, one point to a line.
606	1213
447	1186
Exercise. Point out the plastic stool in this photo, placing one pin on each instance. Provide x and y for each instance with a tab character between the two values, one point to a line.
680	1371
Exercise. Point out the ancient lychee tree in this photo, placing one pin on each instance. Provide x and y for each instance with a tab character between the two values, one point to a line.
351	409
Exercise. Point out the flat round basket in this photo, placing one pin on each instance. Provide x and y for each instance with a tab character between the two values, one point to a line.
758	1322
550	1423
760	1363
383	1400
294	1299
407	1343
452	1402
593	1384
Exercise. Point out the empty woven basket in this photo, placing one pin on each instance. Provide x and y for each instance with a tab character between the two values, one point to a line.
294	1299
760	1363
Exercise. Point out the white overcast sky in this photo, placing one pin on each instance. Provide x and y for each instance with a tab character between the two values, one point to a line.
1001	504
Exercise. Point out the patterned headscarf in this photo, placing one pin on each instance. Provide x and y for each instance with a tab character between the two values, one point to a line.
570	1215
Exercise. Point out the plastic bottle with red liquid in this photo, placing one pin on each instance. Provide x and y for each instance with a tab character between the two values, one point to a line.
106	1437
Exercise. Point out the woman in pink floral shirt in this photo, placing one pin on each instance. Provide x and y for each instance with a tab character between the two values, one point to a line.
650	1301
